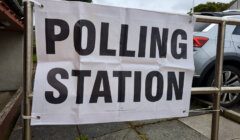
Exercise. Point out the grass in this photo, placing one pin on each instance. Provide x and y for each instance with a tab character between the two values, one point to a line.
34	58
82	137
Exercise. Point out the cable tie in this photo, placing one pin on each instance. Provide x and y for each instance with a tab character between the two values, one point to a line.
30	117
192	12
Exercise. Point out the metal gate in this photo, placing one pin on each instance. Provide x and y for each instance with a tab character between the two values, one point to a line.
216	90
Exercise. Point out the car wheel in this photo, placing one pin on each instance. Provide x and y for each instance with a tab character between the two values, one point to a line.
230	78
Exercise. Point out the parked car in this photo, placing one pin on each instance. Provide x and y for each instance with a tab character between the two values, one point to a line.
205	42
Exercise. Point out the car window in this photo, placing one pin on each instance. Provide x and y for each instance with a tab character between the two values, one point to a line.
236	31
209	27
199	26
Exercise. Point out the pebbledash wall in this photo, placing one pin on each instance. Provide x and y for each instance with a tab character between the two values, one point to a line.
11	60
11	46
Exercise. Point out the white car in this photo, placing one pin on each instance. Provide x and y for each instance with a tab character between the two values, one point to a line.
205	42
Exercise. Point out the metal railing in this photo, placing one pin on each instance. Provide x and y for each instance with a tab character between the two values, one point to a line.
27	74
216	91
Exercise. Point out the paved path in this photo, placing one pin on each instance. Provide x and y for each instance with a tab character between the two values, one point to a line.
141	130
190	128
228	129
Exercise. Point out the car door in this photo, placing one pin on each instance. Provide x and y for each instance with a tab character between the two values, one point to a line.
228	44
236	39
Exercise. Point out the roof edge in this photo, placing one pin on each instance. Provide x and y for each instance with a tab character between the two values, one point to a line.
5	9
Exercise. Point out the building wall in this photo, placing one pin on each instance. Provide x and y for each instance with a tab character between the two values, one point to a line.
11	60
236	5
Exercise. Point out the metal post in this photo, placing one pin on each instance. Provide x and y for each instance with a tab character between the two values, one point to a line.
218	80
27	77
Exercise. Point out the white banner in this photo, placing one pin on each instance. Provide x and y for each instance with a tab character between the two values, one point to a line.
107	64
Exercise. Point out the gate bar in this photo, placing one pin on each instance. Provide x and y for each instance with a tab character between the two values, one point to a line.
27	77
209	90
211	19
204	90
230	89
218	79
